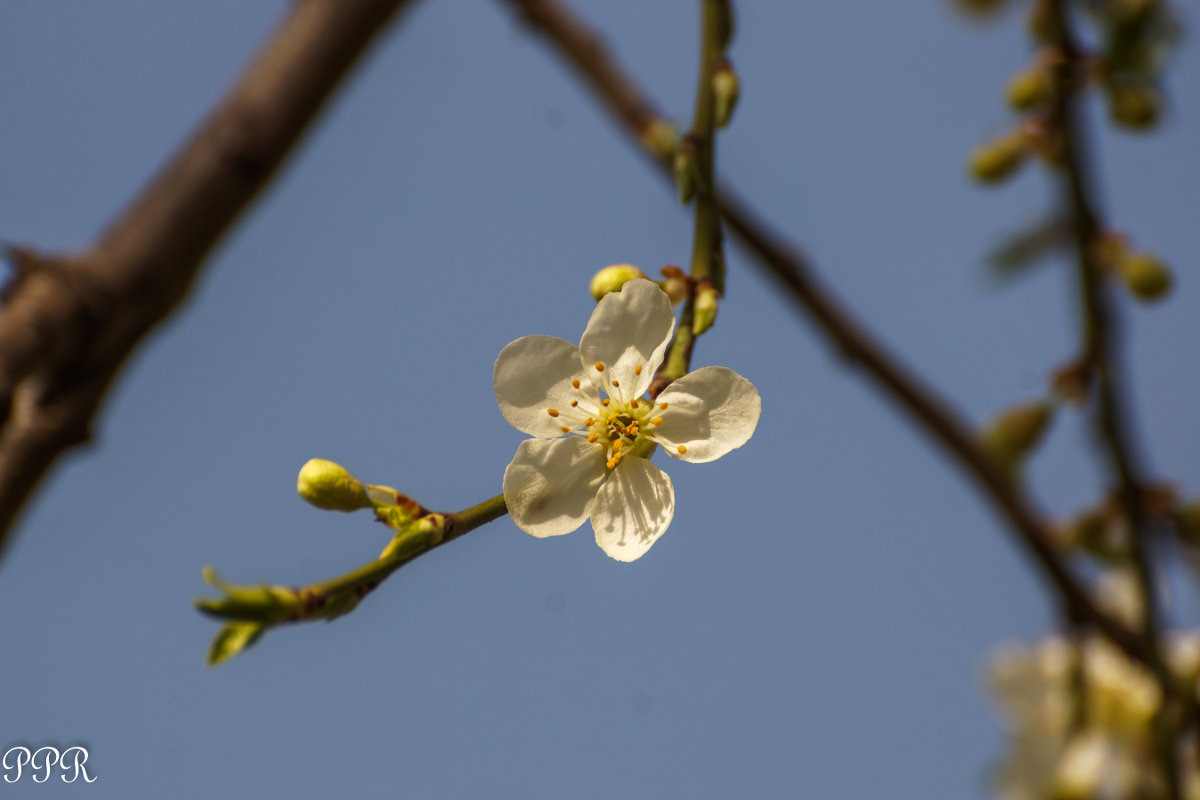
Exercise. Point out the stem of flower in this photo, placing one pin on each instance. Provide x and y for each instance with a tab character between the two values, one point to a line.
708	260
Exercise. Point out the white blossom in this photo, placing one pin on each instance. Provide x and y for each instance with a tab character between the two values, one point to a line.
595	429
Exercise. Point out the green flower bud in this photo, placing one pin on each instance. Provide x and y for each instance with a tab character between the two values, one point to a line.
686	170
994	161
1029	88
704	313
1145	275
1133	105
612	278
725	87
329	486
1013	435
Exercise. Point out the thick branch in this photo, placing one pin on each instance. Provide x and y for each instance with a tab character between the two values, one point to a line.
582	49
69	322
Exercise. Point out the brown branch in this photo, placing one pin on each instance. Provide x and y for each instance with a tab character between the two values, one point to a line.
68	322
579	46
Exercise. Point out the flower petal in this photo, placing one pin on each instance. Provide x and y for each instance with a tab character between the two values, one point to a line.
550	484
628	329
709	412
632	509
534	374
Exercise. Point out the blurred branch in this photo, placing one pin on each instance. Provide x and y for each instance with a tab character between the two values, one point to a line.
583	49
69	321
1099	358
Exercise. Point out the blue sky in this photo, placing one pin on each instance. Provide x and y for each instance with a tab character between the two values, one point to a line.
815	622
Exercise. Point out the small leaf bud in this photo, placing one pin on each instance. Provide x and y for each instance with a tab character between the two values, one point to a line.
726	88
660	138
685	168
704	313
233	638
612	278
1134	106
1029	88
1014	434
329	486
994	161
677	284
1145	275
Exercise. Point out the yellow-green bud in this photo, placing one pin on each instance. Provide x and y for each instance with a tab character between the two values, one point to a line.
677	284
1134	105
1029	88
1014	434
994	161
704	313
660	137
686	170
329	486
1145	275
612	278
726	88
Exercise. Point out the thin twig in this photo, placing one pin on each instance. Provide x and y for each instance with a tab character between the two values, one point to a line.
579	46
68	322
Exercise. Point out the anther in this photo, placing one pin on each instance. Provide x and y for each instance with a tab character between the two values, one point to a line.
637	370
618	444
589	422
662	406
592	438
656	421
564	429
552	412
616	383
682	449
599	366
604	402
633	403
574	403
575	383
612	462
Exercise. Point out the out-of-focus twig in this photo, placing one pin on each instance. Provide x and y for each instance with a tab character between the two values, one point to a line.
583	49
1100	358
68	321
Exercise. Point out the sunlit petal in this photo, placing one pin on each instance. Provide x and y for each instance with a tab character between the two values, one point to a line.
632	509
708	413
537	374
627	335
550	484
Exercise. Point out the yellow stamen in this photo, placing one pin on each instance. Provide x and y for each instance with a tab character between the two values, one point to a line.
599	366
616	383
592	438
637	370
552	412
575	384
564	429
682	449
633	403
656	421
574	403
589	422
662	406
618	444
604	402
612	462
